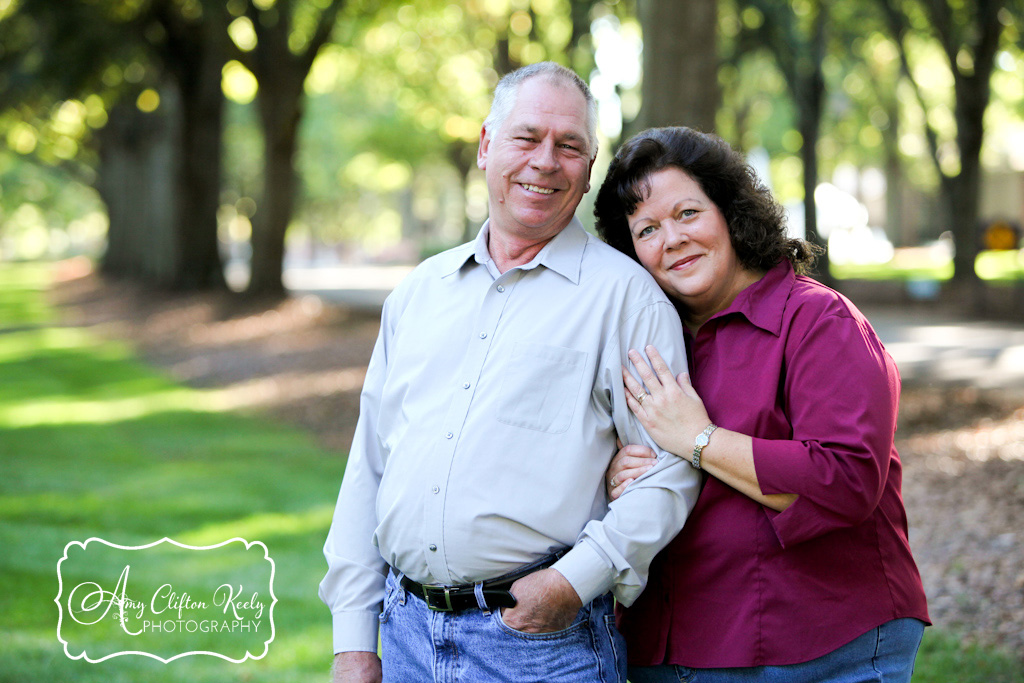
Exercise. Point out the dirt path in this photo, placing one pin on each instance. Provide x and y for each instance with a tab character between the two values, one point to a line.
304	363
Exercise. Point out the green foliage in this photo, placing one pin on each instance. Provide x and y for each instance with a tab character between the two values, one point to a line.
95	444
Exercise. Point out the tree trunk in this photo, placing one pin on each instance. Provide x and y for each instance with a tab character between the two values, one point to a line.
137	180
281	75
809	93
280	112
680	64
203	120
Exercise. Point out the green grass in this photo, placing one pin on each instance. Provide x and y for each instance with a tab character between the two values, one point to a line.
92	443
995	267
942	658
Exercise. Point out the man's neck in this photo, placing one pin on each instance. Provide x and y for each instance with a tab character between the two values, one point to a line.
508	251
508	254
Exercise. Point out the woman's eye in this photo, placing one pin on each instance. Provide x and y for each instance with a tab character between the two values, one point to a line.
687	213
646	231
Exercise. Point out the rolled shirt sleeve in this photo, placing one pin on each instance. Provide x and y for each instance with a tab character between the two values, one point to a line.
842	393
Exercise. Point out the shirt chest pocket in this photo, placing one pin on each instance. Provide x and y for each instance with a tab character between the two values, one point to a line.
541	387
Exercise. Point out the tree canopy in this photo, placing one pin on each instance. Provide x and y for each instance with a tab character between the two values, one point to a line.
205	131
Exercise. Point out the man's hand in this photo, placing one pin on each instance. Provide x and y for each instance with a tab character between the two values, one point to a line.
546	602
356	667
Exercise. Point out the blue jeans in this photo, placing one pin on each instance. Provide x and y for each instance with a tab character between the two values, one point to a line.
476	646
882	655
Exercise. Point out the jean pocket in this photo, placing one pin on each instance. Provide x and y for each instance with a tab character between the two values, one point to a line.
686	674
393	595
578	623
541	387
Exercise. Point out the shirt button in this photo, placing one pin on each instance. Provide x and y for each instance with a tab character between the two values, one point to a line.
483	335
465	385
448	435
433	548
500	288
436	489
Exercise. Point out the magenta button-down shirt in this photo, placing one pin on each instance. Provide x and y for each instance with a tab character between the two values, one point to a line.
795	365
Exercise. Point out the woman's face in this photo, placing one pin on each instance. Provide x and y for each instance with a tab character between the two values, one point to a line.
682	239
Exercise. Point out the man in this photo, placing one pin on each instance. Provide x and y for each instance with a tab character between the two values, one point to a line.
472	523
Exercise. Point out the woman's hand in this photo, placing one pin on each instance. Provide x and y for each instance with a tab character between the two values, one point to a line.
628	464
670	410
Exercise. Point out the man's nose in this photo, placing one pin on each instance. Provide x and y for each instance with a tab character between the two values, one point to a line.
544	158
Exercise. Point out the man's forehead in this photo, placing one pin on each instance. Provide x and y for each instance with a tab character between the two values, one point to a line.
552	104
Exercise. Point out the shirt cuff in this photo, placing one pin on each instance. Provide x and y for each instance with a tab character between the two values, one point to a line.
586	571
355	631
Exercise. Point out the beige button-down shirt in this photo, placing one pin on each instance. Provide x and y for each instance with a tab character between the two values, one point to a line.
487	420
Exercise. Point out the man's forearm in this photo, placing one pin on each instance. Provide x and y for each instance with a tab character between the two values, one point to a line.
356	667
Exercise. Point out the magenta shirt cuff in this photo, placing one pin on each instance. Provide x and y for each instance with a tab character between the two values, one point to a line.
778	465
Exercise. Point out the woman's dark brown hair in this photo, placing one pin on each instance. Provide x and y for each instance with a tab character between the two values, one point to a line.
757	223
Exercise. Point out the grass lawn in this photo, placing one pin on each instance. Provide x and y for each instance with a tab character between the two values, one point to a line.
93	443
1004	267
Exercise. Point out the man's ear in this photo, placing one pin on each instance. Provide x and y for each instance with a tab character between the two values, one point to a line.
590	170
481	150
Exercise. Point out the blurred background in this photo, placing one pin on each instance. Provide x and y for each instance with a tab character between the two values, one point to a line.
225	190
205	144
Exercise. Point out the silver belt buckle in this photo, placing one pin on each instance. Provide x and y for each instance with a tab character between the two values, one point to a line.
447	598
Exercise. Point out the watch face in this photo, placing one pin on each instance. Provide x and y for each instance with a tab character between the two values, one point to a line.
702	439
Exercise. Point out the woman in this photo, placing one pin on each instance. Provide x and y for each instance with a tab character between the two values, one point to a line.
794	565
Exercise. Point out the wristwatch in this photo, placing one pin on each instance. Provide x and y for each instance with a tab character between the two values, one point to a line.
700	442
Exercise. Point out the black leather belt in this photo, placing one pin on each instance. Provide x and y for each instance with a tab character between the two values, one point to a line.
496	591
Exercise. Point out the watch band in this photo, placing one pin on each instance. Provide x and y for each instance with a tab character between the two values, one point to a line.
700	442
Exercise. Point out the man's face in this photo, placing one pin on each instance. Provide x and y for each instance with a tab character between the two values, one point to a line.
538	162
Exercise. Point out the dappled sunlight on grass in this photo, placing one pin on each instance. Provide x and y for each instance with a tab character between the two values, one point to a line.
927	263
263	526
95	444
286	387
17	309
68	411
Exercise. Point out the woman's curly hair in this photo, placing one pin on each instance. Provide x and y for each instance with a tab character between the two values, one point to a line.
757	223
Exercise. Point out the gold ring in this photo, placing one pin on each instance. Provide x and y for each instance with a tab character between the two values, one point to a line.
615	482
641	397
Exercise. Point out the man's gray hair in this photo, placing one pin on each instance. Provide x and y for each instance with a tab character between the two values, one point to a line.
508	89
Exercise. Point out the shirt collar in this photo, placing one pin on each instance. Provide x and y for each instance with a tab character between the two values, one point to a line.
563	254
764	302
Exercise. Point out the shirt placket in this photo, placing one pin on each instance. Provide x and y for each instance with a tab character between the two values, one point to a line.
482	333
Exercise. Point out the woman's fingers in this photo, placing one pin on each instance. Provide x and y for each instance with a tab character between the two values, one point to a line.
644	370
633	387
665	375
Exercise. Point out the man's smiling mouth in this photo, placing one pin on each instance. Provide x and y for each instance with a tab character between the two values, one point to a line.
535	188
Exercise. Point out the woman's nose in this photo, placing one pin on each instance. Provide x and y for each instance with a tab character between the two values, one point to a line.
675	234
